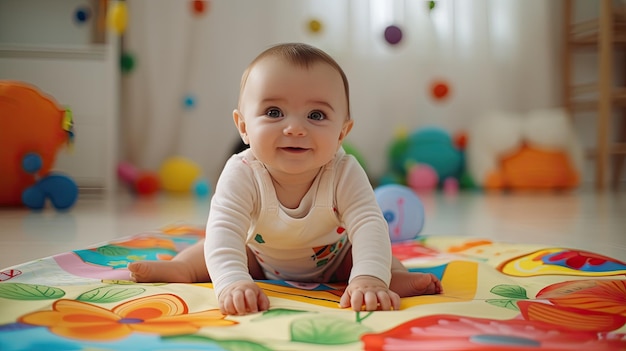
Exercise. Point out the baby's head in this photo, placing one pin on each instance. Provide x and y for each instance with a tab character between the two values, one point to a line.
298	54
293	108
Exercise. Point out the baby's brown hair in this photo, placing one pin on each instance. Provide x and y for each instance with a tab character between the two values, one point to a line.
302	55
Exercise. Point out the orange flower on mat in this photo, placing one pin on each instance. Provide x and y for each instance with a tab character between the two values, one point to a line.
584	305
162	314
608	296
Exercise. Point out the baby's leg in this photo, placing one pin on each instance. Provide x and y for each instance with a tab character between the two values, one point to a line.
187	266
406	284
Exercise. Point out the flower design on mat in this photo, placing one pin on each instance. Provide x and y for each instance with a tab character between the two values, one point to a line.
576	259
448	332
163	314
606	296
563	262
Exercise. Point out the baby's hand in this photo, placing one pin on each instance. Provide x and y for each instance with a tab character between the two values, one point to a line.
369	292
243	297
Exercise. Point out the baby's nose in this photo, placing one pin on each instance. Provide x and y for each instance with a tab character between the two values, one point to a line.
295	127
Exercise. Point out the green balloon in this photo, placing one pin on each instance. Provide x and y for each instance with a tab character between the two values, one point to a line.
127	62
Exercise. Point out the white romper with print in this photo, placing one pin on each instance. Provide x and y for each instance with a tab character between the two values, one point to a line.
306	249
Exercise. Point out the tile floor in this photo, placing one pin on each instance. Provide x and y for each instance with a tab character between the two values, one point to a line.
582	219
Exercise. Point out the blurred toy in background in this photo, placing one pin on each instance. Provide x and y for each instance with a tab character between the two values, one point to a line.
177	175
117	17
352	150
402	209
538	150
425	159
60	189
33	129
141	182
181	175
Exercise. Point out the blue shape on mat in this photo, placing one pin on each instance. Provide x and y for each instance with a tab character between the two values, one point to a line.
40	338
122	258
437	270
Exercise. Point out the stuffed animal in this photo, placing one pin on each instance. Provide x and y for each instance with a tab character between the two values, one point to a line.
538	150
424	159
33	129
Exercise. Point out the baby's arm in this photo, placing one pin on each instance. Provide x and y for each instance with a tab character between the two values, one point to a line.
371	247
370	292
225	249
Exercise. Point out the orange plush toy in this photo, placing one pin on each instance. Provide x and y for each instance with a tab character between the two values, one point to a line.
534	151
534	168
32	127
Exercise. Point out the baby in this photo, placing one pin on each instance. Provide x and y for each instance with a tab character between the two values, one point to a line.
294	206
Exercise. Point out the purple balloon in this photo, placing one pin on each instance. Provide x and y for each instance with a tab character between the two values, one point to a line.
393	34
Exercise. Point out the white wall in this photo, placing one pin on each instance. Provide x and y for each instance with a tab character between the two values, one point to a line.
389	85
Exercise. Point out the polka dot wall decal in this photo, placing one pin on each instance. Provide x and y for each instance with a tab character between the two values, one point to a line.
82	14
393	34
439	89
127	62
315	26
189	101
199	7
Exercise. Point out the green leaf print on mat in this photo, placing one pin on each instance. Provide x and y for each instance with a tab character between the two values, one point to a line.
278	312
21	291
322	330
109	294
112	250
511	304
510	291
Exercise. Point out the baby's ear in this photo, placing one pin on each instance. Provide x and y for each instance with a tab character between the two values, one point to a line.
240	123
345	130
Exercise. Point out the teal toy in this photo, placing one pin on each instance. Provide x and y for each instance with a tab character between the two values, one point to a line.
431	146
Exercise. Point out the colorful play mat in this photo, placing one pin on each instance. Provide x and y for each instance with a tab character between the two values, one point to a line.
497	296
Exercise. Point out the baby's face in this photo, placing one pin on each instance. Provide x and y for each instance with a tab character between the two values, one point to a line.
294	118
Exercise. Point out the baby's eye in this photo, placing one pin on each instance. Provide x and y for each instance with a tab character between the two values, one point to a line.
317	115
273	112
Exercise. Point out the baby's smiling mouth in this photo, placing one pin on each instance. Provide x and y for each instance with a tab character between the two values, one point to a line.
294	149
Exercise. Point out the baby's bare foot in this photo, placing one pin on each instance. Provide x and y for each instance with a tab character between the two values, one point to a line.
160	272
407	284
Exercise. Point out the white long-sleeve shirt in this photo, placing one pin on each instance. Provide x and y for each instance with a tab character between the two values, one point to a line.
305	244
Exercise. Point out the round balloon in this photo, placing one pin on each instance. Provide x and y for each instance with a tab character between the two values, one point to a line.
393	34
82	14
189	101
315	26
440	89
402	209
127	62
199	7
178	174
117	17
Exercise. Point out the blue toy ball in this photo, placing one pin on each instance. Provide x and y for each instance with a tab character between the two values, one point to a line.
402	209
202	188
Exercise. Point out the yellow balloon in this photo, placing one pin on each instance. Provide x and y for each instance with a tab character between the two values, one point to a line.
178	174
117	17
315	26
